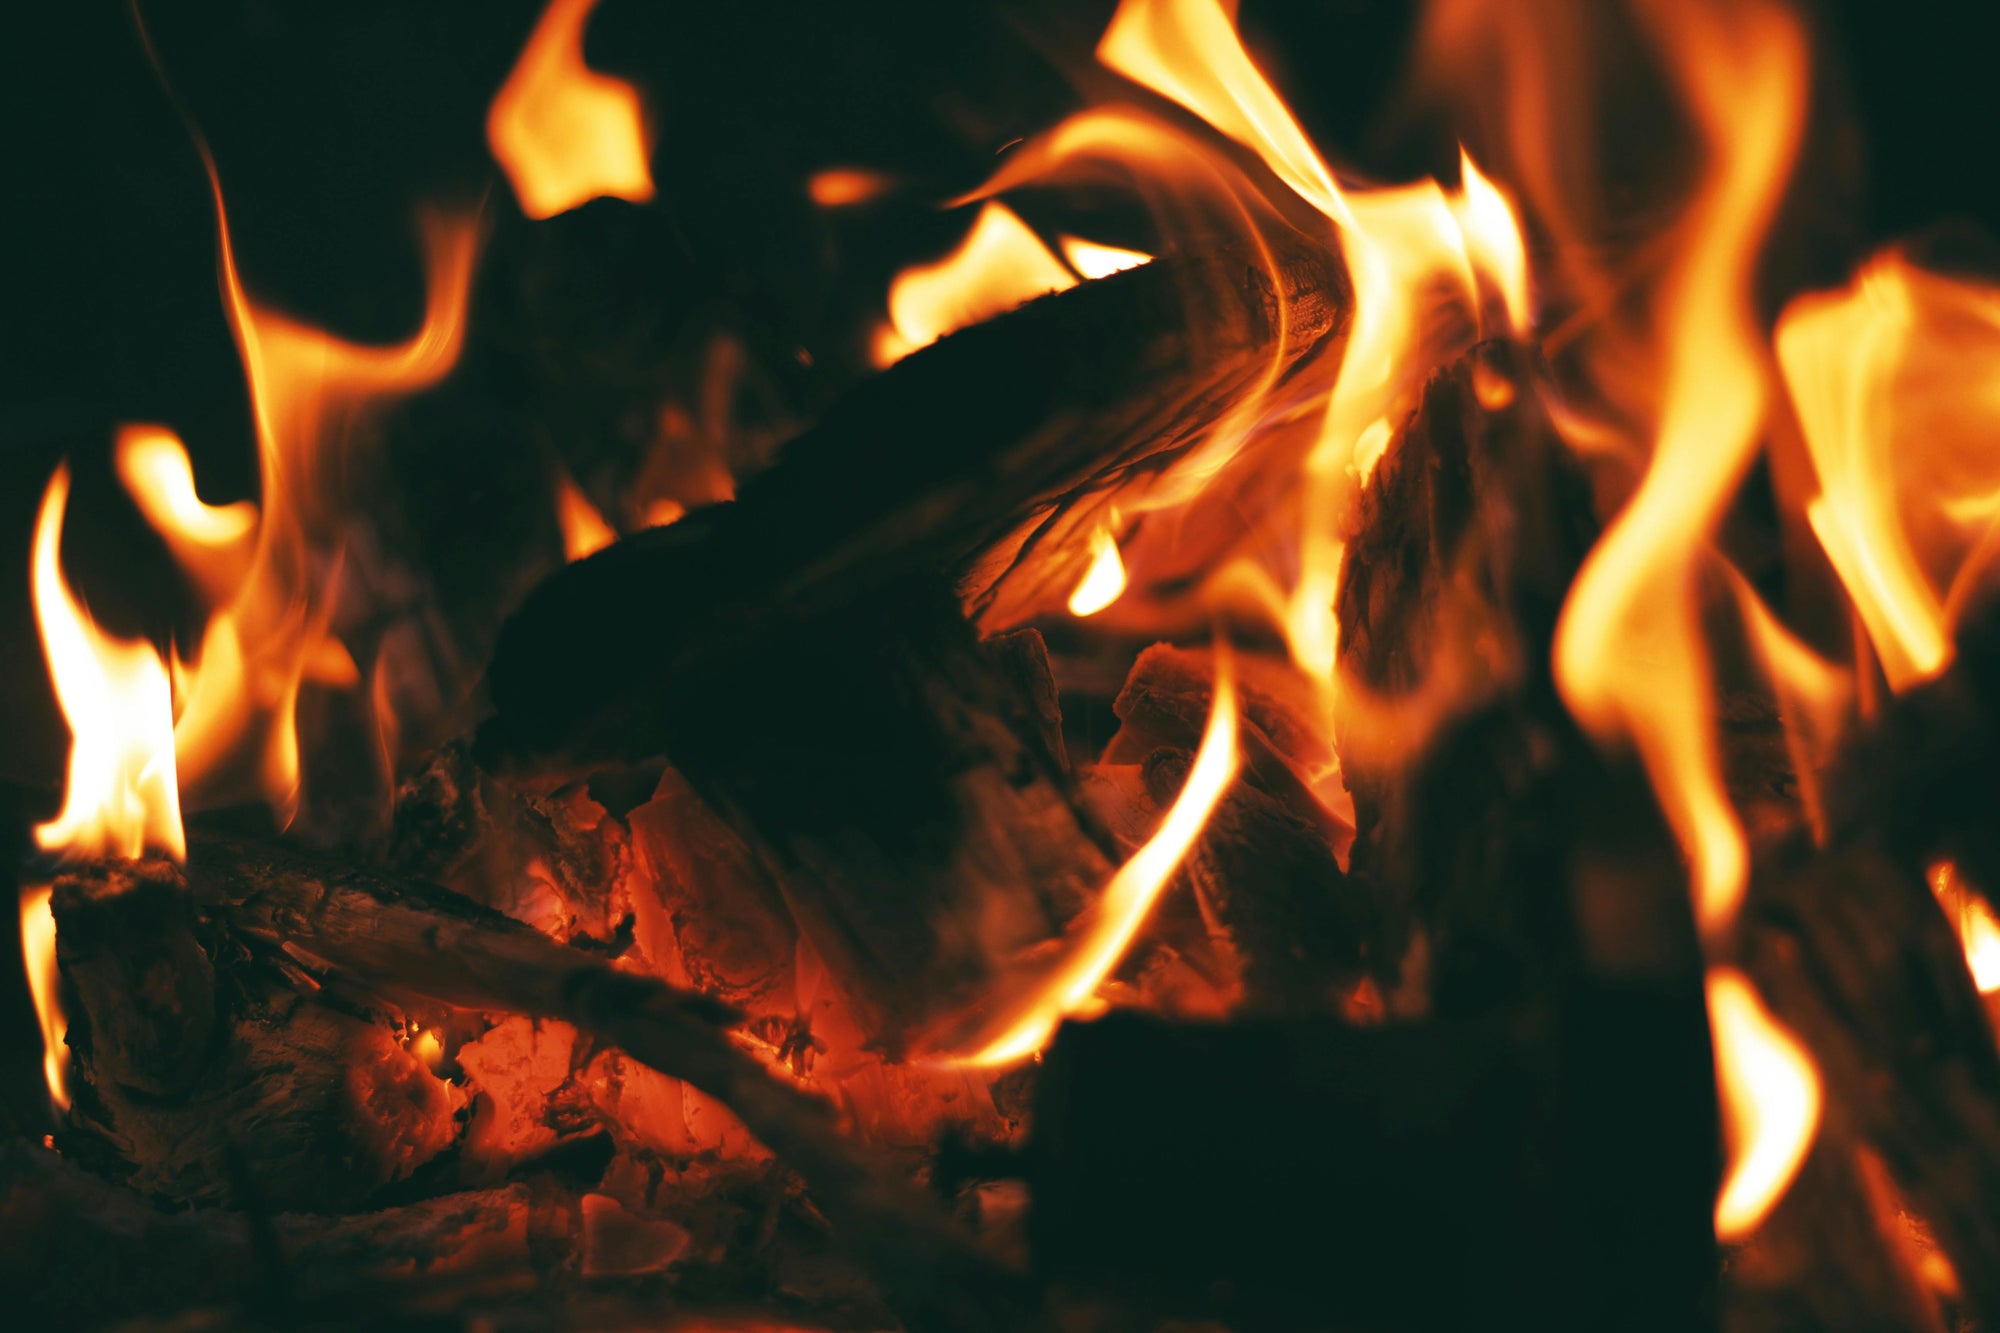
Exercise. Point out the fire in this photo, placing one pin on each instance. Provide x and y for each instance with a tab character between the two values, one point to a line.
1129	897
1104	581
584	530
121	797
1978	929
1629	656
845	187
38	952
1094	260
562	132
1892	382
999	264
1770	1102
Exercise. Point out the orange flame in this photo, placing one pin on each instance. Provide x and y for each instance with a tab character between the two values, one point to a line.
1978	929
1129	897
1892	379
38	952
1092	259
584	530
1104	581
1771	1098
1629	656
844	187
121	798
562	132
999	264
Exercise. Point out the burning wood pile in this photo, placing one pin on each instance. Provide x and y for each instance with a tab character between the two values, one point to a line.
1323	756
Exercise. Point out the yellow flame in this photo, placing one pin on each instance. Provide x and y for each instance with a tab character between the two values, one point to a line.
562	132
1000	264
154	465
1895	386
584	530
1629	657
1104	581
121	798
1093	259
1771	1097
38	952
1130	895
1978	929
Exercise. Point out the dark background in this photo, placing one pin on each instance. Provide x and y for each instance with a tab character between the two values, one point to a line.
331	124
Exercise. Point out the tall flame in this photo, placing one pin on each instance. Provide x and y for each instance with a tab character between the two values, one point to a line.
562	132
1103	581
1128	899
584	530
1770	1102
1628	654
121	797
999	264
38	953
1894	383
1978	929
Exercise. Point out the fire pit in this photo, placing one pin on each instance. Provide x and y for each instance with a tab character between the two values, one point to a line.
998	695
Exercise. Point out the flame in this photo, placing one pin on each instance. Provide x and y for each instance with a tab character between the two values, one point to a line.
584	530
1094	260
562	132
1104	581
1770	1102
154	465
1129	897
1628	654
38	952
844	187
1978	929
1893	382
268	633
999	264
121	798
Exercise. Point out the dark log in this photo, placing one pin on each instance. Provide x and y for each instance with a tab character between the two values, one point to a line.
407	938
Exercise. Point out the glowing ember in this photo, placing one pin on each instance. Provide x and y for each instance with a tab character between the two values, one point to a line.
121	797
38	952
584	530
1129	897
1093	260
1978	929
1770	1102
1629	649
1104	581
562	132
998	265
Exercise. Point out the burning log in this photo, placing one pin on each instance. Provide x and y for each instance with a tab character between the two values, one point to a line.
354	932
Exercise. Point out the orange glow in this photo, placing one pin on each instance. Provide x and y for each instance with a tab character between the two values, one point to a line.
1629	657
38	952
1770	1095
1129	897
562	132
237	734
584	530
120	798
662	512
999	265
1978	929
844	187
1093	260
1104	581
1893	380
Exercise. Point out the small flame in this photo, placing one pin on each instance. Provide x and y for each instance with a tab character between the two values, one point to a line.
1892	379
38	952
1978	929
1771	1097
1095	260
121	798
154	465
1628	654
844	187
1130	895
1104	581
584	530
562	132
1000	264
